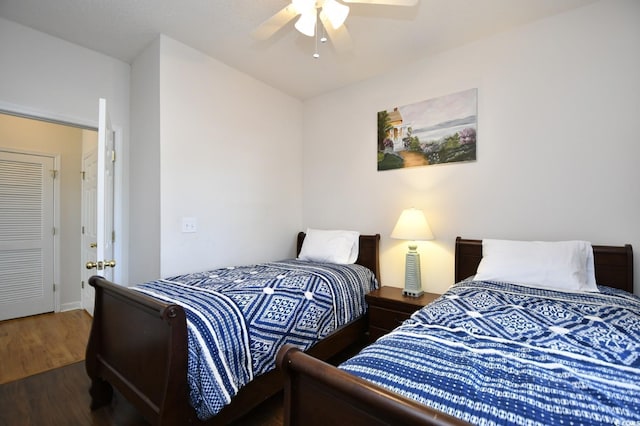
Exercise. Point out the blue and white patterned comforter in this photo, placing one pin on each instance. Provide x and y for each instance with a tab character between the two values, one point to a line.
497	353
238	318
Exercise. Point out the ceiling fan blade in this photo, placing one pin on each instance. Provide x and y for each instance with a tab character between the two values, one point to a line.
385	2
339	37
275	23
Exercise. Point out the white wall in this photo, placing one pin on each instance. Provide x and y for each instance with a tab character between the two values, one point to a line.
47	76
44	76
144	155
558	107
230	155
558	101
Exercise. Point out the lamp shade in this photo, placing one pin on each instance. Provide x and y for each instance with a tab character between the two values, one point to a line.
412	225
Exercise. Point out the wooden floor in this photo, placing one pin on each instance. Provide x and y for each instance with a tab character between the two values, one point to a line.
61	397
55	344
40	343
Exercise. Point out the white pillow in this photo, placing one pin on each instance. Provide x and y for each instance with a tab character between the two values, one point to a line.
330	246
561	265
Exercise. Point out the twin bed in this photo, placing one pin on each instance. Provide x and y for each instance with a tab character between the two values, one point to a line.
142	338
489	352
444	366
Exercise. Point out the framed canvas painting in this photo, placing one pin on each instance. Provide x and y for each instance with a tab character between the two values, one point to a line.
435	131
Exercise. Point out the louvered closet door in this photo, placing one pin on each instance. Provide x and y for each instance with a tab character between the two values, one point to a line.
26	235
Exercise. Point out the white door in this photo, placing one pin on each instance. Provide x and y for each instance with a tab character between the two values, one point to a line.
104	262
89	226
26	234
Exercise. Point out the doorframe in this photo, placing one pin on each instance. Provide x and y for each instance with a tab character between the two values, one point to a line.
121	274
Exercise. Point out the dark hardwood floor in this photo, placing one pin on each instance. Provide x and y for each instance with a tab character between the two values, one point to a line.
61	397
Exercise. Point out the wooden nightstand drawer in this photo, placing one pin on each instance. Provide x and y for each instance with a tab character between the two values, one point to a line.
388	308
385	318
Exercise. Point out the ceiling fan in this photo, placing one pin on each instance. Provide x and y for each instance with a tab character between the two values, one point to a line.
331	14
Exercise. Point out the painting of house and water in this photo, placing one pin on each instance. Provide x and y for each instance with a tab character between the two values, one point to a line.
435	131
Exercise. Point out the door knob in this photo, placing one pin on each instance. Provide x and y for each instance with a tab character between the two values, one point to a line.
100	265
93	245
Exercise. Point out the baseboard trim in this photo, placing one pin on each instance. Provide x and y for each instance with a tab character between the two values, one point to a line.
70	306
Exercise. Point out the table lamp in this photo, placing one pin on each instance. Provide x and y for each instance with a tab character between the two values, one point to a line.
412	225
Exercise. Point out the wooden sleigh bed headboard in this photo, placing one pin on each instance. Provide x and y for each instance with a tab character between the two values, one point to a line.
317	393
613	264
368	251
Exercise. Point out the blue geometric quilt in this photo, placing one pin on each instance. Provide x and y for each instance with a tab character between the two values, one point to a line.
238	318
496	353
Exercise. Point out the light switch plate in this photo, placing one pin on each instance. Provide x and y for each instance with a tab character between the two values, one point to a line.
189	224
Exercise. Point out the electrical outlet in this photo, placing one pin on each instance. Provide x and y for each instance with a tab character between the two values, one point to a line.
189	224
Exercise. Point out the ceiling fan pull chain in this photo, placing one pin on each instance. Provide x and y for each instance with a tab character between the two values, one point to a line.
316	55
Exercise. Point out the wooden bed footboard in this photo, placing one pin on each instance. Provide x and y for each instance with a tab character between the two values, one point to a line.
142	352
317	393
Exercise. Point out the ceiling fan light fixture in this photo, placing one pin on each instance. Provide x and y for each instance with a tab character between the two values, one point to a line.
303	6
336	12
306	23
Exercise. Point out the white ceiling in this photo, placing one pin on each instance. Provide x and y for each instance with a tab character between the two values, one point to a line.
384	37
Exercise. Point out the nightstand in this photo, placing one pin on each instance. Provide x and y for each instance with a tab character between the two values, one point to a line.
388	308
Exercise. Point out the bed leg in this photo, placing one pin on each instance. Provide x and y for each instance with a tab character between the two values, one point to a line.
101	393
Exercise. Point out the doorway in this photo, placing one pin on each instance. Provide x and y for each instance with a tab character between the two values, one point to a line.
25	134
